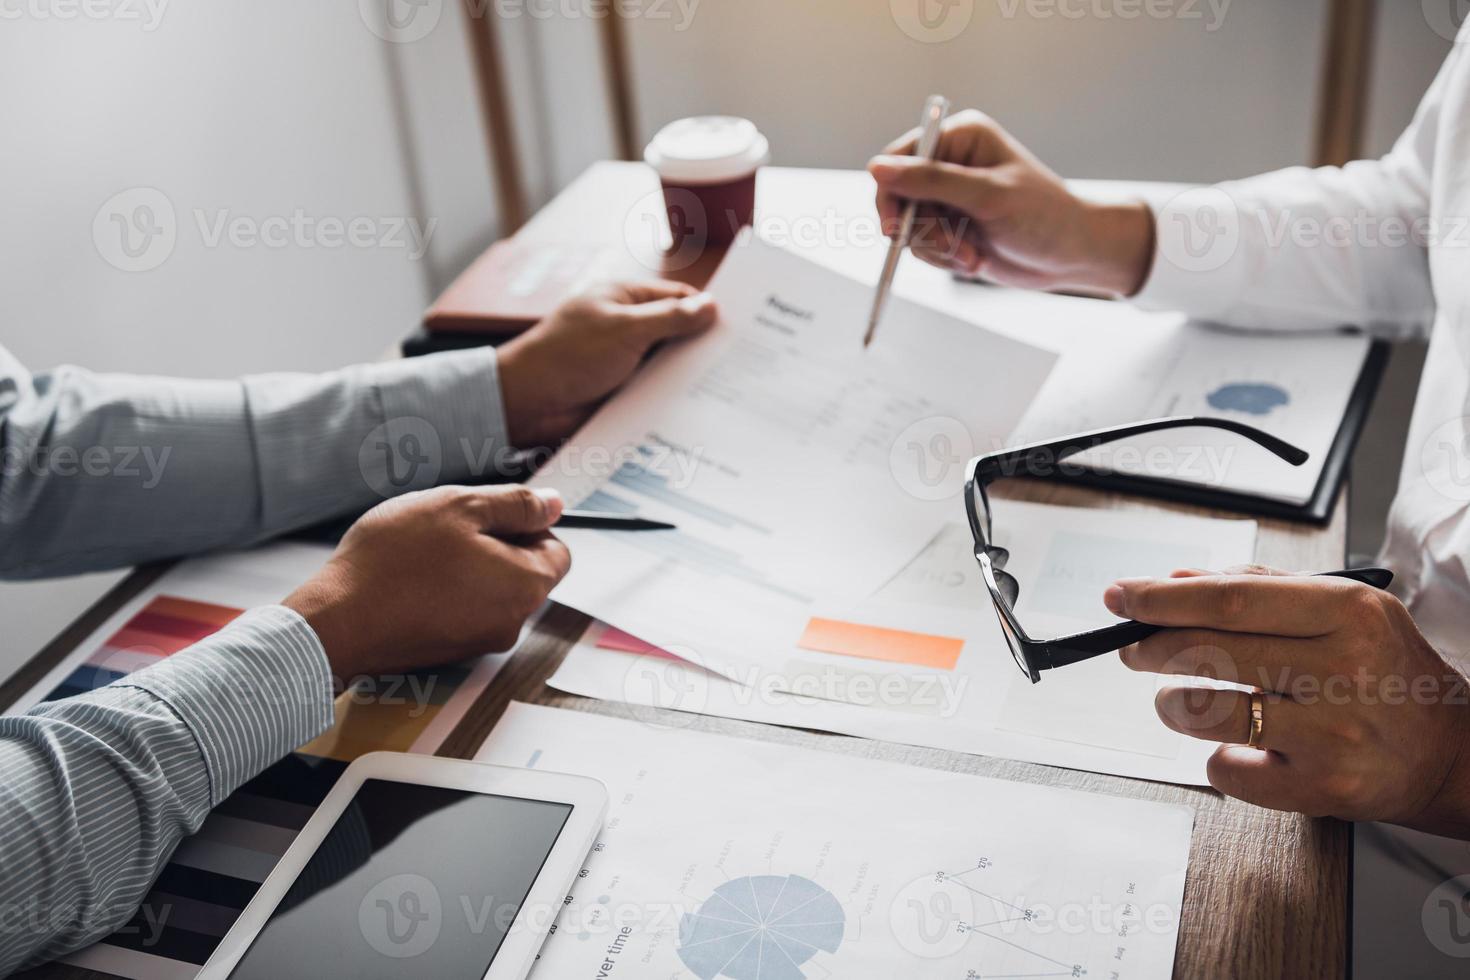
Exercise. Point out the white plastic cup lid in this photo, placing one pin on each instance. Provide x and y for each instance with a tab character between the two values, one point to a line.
708	150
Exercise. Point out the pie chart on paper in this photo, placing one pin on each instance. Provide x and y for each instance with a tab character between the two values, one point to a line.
1249	398
763	927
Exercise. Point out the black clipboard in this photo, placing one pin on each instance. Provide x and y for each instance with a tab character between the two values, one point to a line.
1317	510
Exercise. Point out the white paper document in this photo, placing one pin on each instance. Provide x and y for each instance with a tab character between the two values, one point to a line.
1097	715
1121	364
726	858
1296	388
795	463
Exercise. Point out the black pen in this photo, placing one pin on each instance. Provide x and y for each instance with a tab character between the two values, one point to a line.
610	522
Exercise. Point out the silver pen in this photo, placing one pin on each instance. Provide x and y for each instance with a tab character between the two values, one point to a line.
935	109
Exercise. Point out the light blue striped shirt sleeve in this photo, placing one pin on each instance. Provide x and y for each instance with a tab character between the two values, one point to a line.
106	470
101	471
98	789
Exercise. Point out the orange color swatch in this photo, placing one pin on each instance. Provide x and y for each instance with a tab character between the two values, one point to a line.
879	643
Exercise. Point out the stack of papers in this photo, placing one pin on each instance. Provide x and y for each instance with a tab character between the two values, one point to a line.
755	861
802	470
818	577
949	682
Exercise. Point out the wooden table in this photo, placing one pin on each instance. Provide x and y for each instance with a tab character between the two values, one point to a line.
1267	893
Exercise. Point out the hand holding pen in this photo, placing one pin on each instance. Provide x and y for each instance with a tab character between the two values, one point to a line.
933	124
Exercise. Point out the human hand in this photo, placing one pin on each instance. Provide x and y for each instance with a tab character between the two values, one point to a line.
989	208
1362	718
556	374
433	577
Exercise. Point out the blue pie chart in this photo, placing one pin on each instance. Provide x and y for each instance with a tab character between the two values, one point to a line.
1249	397
763	927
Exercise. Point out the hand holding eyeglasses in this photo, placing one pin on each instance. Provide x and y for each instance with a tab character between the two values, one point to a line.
1353	713
1043	459
1357	715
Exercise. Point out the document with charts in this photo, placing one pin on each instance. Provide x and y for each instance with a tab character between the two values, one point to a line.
1296	387
948	680
795	463
1121	364
748	860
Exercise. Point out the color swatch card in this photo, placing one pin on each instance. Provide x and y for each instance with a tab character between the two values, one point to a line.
212	875
745	860
938	673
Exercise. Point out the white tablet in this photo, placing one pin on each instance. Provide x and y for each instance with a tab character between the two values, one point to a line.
415	865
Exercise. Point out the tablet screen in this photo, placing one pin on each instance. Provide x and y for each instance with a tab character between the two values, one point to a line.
411	879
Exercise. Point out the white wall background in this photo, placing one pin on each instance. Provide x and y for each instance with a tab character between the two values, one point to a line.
261	108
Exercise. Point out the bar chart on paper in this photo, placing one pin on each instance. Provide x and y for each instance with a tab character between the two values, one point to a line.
769	442
845	867
709	536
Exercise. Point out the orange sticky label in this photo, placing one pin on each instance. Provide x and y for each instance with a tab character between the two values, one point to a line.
879	643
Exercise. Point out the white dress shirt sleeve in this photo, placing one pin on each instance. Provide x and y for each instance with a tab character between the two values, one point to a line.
1309	249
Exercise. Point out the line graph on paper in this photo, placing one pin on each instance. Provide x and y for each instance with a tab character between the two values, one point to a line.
982	924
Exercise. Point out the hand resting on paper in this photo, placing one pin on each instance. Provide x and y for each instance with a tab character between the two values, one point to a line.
555	375
1361	718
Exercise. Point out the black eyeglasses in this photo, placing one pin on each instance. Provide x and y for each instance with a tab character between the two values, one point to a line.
1042	459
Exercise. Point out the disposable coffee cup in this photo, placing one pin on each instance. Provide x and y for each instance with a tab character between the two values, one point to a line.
708	166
